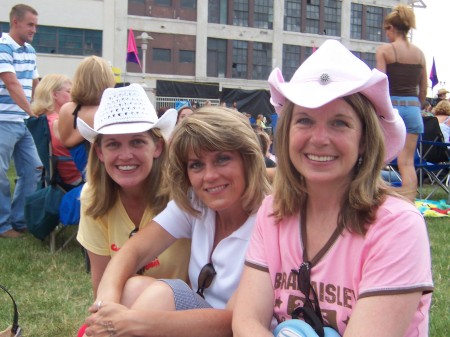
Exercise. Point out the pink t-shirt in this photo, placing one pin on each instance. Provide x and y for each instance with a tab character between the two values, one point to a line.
392	258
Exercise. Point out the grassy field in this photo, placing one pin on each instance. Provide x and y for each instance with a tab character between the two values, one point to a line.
53	291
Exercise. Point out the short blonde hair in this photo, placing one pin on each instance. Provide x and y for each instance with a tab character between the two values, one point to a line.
442	108
92	76
43	100
213	128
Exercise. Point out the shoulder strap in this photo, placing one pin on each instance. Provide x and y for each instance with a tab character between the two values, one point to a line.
75	115
395	52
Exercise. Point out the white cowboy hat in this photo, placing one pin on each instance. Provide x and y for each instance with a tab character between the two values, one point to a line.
333	72
127	110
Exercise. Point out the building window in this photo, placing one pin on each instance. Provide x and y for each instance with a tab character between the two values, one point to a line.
292	15
240	13
332	17
162	55
356	21
187	56
188	4
239	64
263	14
65	41
217	11
291	60
312	16
374	23
217	58
370	60
262	60
164	3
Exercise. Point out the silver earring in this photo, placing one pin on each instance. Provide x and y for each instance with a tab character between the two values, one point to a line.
360	161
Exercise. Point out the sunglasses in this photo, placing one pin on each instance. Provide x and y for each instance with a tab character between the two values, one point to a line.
205	278
310	311
133	233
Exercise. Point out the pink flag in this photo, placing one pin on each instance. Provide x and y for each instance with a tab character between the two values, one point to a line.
132	52
314	47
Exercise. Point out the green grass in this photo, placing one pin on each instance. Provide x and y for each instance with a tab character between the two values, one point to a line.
53	291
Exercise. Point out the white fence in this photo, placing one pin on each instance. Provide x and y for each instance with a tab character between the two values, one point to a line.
162	102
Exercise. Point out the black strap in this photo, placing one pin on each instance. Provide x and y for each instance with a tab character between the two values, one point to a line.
310	316
75	115
15	325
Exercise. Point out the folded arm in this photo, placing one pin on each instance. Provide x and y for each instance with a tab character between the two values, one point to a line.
187	323
145	246
387	315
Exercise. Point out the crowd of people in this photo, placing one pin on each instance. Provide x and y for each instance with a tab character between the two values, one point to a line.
193	227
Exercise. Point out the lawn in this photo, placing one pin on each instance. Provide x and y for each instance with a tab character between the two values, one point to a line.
53	291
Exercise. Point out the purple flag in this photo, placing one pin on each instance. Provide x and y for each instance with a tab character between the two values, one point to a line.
433	75
132	52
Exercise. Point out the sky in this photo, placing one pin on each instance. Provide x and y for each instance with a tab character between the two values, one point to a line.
431	35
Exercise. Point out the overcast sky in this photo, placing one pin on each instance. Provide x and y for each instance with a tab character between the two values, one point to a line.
432	36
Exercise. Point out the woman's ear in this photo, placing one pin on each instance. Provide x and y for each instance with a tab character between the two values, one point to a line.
98	151
159	147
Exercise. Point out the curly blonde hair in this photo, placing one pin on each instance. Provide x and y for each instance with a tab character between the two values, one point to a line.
442	108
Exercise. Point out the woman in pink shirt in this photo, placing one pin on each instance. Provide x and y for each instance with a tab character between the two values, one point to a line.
52	92
334	246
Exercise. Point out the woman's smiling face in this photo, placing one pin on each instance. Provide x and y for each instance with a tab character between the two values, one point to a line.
128	158
217	178
324	143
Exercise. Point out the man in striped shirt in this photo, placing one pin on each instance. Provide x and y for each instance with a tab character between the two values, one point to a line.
18	77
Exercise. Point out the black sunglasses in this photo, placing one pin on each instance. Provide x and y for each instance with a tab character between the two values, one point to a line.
310	311
205	278
133	233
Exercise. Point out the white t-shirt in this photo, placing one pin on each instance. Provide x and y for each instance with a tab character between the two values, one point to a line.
227	258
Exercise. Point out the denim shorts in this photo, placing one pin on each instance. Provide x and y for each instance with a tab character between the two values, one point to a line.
410	114
185	298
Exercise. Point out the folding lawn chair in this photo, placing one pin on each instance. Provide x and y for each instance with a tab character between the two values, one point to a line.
41	134
433	158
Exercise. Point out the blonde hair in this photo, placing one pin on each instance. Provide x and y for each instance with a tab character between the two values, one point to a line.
213	128
402	18
365	192
104	191
43	100
442	108
92	76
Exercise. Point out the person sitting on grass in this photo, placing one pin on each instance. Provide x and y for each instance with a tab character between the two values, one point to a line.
335	248
217	178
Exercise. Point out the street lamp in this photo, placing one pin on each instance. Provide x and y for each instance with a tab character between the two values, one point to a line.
144	38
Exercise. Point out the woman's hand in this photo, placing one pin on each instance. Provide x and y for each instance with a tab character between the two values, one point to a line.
108	319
